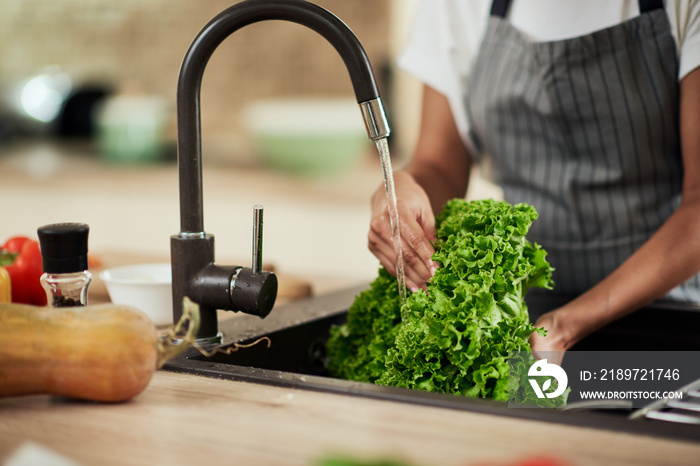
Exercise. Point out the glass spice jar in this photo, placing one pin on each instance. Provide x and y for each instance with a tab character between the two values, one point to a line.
64	248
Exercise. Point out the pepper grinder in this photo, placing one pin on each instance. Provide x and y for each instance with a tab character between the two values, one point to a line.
64	248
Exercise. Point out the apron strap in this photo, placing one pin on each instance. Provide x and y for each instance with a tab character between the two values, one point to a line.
500	7
646	6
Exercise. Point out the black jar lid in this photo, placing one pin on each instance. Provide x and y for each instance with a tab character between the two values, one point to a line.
64	247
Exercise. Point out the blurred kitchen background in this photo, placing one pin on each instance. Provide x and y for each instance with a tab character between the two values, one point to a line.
87	129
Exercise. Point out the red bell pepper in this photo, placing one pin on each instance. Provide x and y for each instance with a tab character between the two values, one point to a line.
21	258
14	244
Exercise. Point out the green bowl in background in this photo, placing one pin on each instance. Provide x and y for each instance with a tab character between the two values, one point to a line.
307	136
131	129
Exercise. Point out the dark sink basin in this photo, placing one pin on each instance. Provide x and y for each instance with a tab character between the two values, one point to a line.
295	358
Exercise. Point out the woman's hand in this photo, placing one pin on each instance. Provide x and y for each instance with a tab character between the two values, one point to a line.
553	345
417	227
438	172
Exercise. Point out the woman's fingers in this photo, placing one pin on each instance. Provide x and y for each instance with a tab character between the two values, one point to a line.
417	245
388	263
417	230
414	266
416	250
414	282
383	249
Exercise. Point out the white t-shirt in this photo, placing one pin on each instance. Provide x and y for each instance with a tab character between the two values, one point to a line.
447	34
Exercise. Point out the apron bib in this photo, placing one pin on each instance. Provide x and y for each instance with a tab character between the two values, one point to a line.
586	131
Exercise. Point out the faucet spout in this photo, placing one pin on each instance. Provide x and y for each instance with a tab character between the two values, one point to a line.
192	250
219	28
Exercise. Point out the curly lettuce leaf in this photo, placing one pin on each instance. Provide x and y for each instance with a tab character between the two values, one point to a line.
358	348
456	336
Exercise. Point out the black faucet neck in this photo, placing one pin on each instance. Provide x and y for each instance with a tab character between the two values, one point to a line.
192	70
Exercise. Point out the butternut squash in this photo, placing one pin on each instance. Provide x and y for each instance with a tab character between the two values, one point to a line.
5	286
104	353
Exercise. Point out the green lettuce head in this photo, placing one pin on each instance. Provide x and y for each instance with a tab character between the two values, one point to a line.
456	336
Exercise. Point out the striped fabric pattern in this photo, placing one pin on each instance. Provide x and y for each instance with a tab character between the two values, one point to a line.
585	130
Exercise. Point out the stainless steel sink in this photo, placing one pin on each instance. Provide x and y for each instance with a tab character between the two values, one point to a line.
296	358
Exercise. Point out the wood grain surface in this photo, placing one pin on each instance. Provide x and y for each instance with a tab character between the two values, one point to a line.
187	420
190	420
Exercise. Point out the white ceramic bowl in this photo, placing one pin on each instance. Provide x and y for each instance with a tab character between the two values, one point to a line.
144	286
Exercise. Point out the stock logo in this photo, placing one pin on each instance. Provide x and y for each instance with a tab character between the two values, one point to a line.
543	369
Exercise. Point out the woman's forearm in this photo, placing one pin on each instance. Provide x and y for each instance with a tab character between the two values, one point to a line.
438	185
440	162
667	259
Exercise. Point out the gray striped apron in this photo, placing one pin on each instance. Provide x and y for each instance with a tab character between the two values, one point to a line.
586	130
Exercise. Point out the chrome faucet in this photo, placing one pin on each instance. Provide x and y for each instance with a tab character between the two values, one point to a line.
194	271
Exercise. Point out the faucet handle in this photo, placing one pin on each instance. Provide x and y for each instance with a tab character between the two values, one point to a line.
254	291
257	238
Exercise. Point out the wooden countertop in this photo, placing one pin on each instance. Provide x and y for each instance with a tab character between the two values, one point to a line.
186	419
